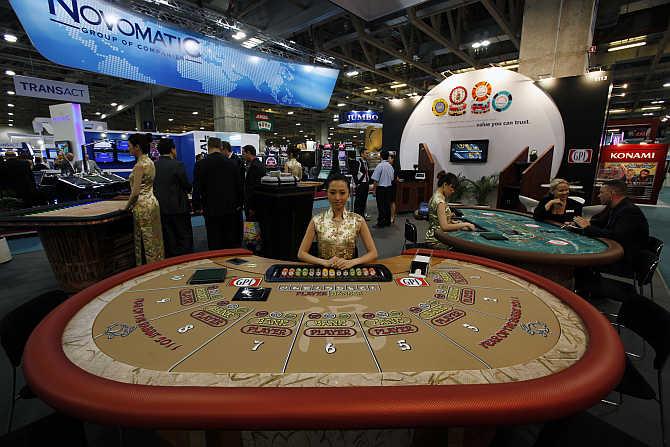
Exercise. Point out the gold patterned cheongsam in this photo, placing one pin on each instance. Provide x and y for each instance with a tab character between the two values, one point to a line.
337	238
146	214
433	219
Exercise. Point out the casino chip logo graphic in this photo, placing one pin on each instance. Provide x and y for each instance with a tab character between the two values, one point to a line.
439	107
457	98
502	101
481	93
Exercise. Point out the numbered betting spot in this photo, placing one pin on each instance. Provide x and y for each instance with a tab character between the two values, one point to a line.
185	329
330	348
403	345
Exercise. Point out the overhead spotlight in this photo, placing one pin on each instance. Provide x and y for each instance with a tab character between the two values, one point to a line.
10	114
11	92
103	116
11	38
10	125
351	73
297	124
10	72
341	104
194	113
10	105
86	119
666	85
399	85
202	128
659	101
113	104
119	107
624	47
239	35
170	119
290	113
648	114
98	113
370	90
485	43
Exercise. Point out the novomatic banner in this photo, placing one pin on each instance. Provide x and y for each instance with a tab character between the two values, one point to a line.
97	36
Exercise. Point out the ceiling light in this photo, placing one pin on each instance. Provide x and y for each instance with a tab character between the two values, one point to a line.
202	128
297	124
103	116
119	107
10	105
658	102
290	113
11	92
667	84
10	114
617	111
351	73
370	90
341	104
104	135
98	113
486	43
651	108
10	125
170	119
648	114
113	104
623	47
11	120
239	35
10	38
476	45
621	95
250	43
10	72
398	85
300	131
194	113
85	119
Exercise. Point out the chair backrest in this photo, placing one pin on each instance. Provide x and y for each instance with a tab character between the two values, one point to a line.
651	322
655	245
410	232
646	263
578	199
592	210
528	203
17	325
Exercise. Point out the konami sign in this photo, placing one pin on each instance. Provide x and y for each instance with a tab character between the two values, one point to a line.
633	153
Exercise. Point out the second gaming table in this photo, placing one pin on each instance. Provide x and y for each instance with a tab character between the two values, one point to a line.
476	342
541	247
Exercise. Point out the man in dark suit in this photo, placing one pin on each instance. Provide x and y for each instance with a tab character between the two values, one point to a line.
40	165
227	151
360	170
91	166
255	172
171	188
218	187
622	221
67	165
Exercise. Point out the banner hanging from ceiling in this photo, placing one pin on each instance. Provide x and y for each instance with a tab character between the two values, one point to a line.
97	36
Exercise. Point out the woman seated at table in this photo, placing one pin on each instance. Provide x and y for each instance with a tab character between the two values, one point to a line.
440	216
336	231
557	206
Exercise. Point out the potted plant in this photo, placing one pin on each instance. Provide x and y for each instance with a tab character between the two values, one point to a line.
481	189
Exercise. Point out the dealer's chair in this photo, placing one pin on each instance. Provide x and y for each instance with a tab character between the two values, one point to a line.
580	200
592	210
15	328
528	203
655	245
652	323
411	236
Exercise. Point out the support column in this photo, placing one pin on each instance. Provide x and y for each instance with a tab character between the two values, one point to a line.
145	120
228	114
555	38
322	132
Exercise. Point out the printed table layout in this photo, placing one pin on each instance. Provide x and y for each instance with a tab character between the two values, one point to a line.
475	338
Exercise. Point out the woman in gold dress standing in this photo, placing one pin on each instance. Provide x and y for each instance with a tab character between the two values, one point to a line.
143	203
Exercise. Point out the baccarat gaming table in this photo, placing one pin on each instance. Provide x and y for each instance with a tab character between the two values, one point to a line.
475	342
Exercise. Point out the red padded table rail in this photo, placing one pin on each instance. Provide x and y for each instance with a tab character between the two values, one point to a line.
68	388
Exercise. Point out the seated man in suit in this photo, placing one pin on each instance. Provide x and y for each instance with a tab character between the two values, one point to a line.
171	188
18	178
91	165
40	165
622	221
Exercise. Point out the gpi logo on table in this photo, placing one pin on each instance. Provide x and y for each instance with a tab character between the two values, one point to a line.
245	282
409	281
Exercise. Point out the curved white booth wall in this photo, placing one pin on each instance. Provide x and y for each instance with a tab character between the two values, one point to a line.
530	119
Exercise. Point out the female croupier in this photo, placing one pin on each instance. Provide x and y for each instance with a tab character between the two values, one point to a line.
440	216
336	231
557	206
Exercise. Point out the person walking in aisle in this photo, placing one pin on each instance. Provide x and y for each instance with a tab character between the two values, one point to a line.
383	178
227	151
361	172
255	172
171	188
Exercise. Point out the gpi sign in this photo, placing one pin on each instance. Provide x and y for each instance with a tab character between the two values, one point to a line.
409	281
245	282
580	156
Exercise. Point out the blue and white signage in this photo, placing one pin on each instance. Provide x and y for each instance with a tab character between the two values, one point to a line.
97	36
360	119
48	89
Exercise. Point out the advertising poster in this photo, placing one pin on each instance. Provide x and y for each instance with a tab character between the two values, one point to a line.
641	166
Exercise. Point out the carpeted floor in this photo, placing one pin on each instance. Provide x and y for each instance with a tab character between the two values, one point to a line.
636	423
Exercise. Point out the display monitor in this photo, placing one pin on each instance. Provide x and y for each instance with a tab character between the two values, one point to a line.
64	146
103	156
124	157
469	151
122	145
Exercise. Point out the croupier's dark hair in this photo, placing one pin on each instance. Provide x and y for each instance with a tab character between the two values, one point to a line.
448	178
335	176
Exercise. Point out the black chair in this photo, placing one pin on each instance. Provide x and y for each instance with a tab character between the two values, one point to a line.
411	235
655	245
646	263
652	323
15	328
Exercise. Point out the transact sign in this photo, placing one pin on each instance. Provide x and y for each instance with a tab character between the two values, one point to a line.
48	89
102	37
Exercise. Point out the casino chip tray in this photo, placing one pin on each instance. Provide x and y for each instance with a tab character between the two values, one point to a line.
314	273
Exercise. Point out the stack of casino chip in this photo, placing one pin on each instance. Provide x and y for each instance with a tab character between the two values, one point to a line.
481	93
457	105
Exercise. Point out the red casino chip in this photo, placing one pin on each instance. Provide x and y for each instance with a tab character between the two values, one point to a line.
458	95
481	91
